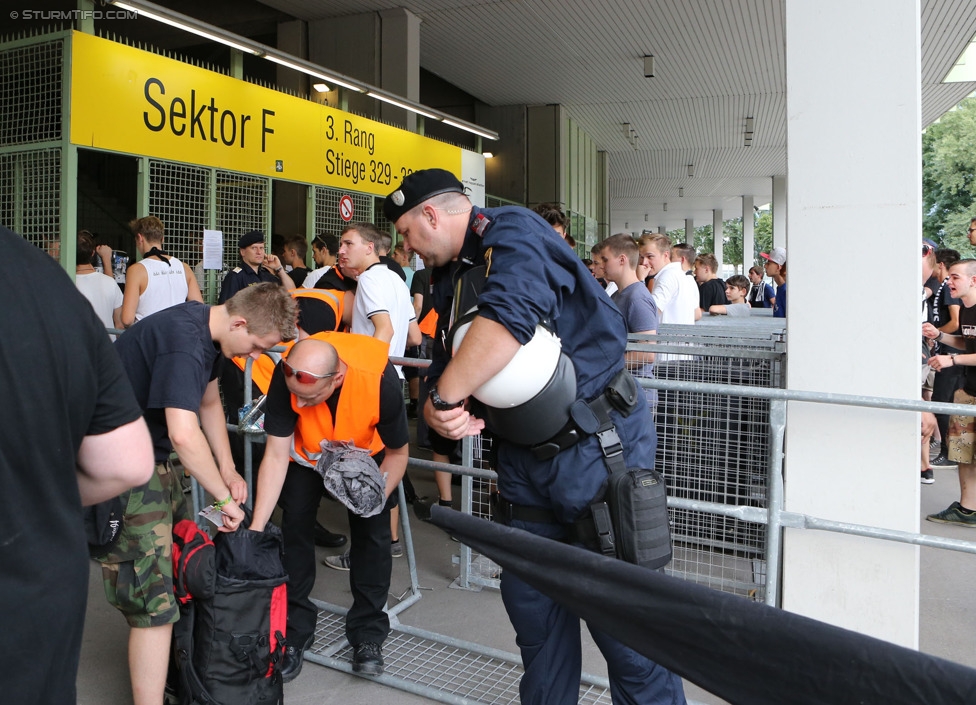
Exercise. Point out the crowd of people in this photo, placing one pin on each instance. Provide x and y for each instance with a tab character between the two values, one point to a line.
341	322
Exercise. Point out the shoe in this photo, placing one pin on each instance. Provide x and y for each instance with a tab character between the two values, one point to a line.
954	514
941	461
340	562
396	549
367	658
327	539
928	477
294	658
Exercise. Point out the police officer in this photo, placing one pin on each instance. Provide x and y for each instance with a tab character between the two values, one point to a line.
532	277
256	266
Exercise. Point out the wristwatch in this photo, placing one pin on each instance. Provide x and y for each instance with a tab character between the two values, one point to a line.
440	404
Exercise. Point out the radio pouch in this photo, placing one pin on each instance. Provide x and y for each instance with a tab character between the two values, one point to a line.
639	510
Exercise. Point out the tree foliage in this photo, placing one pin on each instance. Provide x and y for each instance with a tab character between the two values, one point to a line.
949	177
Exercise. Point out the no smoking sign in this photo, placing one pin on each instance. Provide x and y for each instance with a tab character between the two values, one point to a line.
346	208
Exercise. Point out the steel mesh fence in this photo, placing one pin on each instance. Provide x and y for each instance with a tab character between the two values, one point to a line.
715	448
243	204
30	93
30	196
327	219
179	195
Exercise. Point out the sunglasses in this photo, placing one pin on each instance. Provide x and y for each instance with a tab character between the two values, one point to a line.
302	376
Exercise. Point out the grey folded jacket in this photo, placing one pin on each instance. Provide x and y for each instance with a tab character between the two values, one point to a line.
352	477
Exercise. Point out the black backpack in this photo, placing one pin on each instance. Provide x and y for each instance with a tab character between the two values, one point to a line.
230	640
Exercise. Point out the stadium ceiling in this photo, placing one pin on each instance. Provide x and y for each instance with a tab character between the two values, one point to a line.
715	64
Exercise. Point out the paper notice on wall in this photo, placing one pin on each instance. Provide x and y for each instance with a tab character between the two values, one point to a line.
213	249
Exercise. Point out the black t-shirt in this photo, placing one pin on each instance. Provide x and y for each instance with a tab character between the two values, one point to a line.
393	266
421	285
62	381
967	329
298	275
170	357
939	314
334	279
280	417
711	293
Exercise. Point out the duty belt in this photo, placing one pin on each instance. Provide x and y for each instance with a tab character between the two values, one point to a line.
593	418
582	530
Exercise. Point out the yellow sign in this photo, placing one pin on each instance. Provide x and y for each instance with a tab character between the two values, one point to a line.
128	100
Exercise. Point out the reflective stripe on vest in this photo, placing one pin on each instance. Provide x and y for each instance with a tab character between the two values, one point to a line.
333	297
358	409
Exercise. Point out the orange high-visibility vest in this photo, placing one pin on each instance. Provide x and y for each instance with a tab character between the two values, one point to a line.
263	367
428	326
358	409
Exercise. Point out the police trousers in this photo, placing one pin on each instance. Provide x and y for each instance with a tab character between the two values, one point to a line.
369	555
548	636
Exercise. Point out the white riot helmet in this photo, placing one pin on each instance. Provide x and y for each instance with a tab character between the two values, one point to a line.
528	401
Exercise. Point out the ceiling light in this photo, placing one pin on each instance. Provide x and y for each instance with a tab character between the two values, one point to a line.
216	34
691	170
187	24
320	87
645	217
648	67
393	101
749	131
487	155
665	207
681	193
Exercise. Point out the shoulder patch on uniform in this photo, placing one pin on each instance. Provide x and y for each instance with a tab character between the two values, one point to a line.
236	270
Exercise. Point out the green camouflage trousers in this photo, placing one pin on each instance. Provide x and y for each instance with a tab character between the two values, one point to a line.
138	570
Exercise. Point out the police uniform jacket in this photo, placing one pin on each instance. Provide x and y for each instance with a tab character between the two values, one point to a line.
532	275
241	277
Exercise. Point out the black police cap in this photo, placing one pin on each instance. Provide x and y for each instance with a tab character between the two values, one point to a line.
250	238
417	188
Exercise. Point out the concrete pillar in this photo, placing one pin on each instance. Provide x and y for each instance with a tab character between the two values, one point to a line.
690	231
547	149
718	228
851	171
780	211
748	233
292	38
400	62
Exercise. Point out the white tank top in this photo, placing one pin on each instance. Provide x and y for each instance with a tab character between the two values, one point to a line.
166	286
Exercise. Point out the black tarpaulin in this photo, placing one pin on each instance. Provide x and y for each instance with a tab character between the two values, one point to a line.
744	652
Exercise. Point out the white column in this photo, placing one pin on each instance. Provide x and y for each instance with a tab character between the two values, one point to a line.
690	231
851	171
780	211
748	233
718	235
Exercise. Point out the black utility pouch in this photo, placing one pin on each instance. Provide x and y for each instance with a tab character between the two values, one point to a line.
639	507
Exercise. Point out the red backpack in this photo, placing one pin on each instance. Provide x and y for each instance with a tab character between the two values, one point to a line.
230	640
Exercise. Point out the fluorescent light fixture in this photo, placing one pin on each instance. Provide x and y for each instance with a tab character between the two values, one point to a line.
320	87
470	128
487	155
965	67
216	34
681	193
393	101
665	207
645	217
691	170
180	21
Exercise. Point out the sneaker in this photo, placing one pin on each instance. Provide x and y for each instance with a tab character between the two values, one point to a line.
954	514
367	658
940	461
340	562
396	549
928	477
